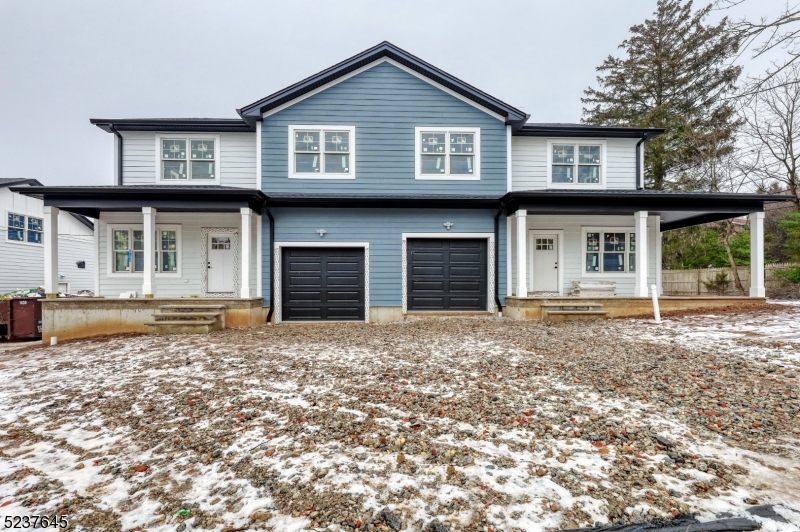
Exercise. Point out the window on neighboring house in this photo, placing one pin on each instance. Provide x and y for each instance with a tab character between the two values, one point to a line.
23	228
448	153
576	164
128	249
610	251
322	151
188	159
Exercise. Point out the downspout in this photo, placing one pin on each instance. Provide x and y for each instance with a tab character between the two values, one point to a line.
497	259
639	173
119	153
271	266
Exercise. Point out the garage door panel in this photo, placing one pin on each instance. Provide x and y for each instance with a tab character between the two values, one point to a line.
453	279
322	284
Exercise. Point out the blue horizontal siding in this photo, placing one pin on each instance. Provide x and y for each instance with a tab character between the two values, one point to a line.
385	104
383	229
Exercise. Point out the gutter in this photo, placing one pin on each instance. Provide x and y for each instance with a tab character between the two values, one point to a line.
119	153
639	173
497	259
271	266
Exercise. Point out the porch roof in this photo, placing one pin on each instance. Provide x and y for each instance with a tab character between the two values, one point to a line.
677	209
90	201
448	201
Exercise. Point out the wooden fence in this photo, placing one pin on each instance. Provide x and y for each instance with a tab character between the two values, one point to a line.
691	282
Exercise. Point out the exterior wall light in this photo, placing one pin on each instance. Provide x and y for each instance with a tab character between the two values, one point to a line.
321	232
448	225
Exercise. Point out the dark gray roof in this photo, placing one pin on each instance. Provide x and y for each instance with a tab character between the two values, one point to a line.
253	112
189	125
585	130
13	181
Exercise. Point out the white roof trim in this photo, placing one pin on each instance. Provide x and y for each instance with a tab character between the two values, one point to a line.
374	64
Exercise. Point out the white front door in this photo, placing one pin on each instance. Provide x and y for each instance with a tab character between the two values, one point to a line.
220	262
544	249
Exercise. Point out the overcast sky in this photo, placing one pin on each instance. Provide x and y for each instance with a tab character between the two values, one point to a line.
62	63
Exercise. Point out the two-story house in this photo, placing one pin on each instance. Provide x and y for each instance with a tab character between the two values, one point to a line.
377	188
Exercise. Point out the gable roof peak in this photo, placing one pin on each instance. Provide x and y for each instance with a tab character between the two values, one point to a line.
253	112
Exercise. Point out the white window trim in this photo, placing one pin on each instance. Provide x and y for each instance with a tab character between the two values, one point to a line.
189	138
276	286
351	174
609	229
532	234
447	130
577	141
24	240
138	227
491	250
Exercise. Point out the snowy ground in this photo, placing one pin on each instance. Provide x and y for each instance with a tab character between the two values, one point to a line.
451	424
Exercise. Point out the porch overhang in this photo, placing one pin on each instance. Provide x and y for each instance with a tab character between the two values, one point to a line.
91	201
677	209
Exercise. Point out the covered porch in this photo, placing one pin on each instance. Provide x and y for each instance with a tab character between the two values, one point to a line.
598	253
181	256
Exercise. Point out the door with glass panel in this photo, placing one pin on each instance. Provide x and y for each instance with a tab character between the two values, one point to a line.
220	263
544	249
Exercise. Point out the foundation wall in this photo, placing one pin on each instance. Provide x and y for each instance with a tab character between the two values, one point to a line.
70	319
622	307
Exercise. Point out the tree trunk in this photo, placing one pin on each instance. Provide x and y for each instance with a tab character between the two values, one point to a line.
726	235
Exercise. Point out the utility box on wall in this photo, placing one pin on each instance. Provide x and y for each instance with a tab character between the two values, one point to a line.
20	318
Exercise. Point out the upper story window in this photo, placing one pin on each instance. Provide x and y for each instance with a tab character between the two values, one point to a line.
128	248
188	159
448	153
23	228
322	152
610	250
576	164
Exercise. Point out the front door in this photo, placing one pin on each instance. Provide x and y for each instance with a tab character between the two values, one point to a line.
220	263
545	263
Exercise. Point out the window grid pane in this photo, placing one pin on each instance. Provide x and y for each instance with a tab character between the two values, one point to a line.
337	164
306	141
433	143
337	141
202	149
306	163
433	164
172	149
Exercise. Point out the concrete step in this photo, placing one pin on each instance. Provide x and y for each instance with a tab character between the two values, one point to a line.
210	314
208	321
181	327
188	306
559	316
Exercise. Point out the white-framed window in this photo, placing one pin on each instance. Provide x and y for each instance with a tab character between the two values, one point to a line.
610	250
322	152
575	163
126	249
24	229
184	159
452	153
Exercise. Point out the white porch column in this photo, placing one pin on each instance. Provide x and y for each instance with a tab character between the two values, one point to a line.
246	247
757	255
149	230
640	225
522	253
51	251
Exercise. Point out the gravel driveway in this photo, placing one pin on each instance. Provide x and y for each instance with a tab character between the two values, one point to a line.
441	424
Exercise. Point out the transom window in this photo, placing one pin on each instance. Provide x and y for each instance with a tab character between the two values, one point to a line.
610	251
448	153
128	249
322	151
576	163
23	228
188	159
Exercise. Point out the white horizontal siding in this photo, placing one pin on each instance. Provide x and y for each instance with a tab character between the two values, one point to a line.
237	158
529	163
572	243
189	282
22	264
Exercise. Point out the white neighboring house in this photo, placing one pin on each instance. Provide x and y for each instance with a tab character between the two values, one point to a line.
22	243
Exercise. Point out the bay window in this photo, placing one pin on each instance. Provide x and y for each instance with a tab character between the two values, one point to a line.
610	250
127	245
322	152
188	159
576	164
447	153
22	228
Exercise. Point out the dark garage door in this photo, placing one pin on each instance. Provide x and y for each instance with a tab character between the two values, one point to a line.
322	284
447	274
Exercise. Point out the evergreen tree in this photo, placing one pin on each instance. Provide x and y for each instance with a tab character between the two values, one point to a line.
675	74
